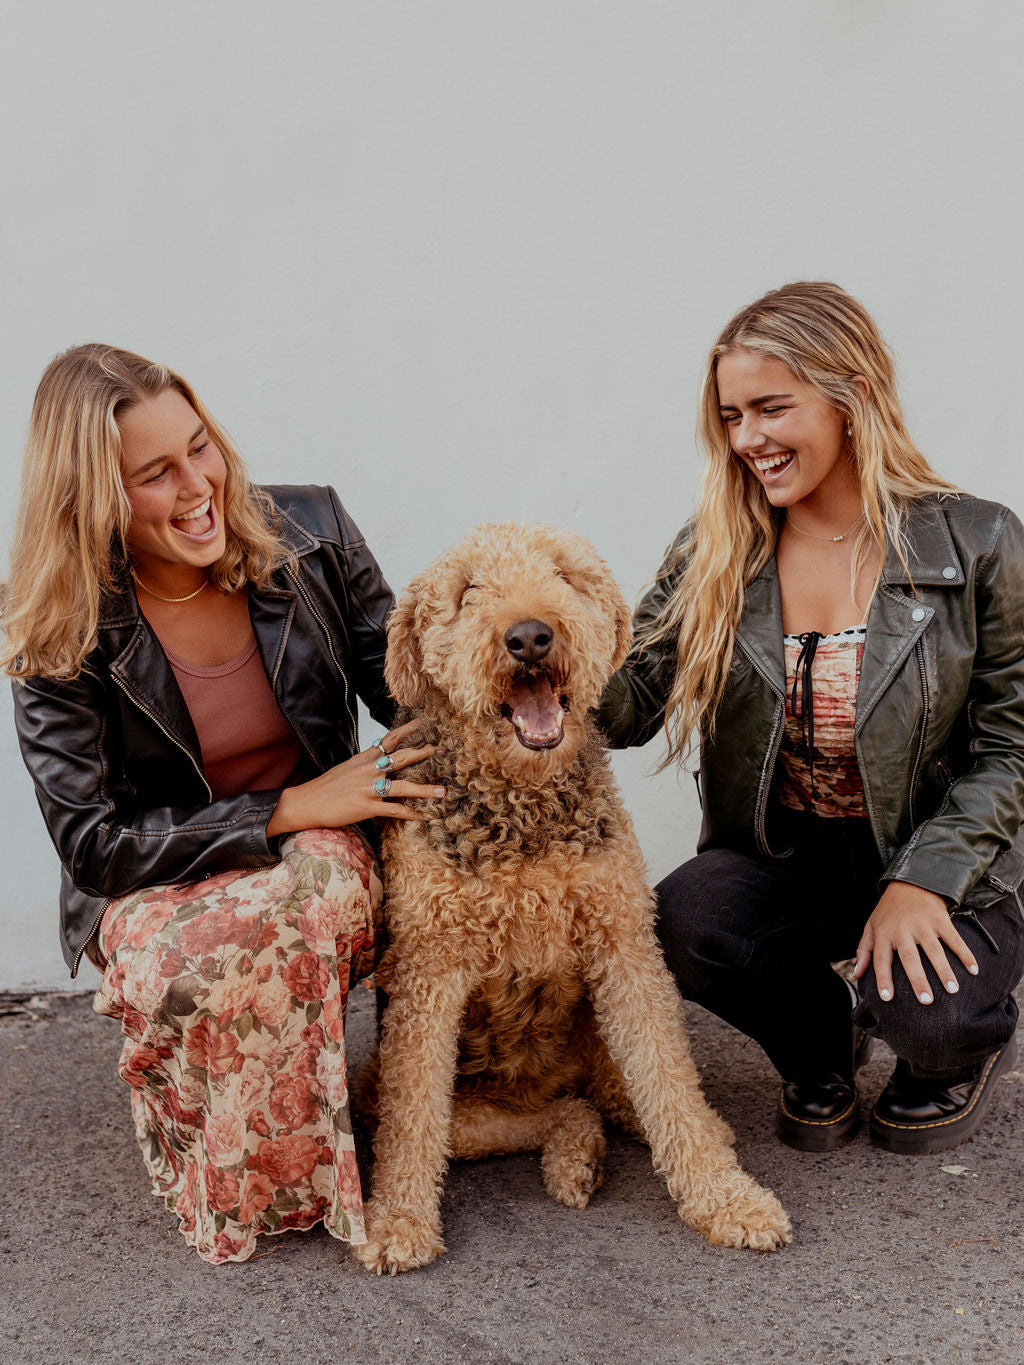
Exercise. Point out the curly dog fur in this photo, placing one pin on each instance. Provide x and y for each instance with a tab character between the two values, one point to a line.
528	995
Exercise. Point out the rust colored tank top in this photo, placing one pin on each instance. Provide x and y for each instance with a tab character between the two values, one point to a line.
247	744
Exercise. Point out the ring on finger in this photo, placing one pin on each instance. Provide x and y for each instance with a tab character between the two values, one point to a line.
385	762
378	743
382	786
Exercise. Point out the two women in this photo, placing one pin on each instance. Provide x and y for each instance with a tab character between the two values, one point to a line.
842	630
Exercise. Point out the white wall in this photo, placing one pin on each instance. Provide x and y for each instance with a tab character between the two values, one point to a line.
463	258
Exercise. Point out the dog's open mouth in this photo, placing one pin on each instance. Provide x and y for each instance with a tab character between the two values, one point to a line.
535	711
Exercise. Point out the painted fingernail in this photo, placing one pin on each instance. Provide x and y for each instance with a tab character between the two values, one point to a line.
973	969
439	791
952	987
925	998
885	994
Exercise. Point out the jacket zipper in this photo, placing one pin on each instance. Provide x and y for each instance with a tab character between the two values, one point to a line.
972	915
330	643
1013	891
89	938
915	771
768	769
163	728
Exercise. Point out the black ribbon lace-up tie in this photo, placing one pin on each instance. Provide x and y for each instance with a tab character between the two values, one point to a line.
803	710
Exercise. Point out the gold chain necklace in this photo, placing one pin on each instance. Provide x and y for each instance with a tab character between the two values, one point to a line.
187	598
834	539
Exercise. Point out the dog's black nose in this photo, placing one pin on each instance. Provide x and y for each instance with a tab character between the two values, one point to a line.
529	641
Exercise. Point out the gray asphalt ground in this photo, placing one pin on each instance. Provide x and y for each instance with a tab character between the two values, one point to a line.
895	1259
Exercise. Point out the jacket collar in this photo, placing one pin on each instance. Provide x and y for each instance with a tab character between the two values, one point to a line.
896	620
931	556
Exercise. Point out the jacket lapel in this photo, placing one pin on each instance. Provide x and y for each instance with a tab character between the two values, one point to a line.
145	675
759	633
897	620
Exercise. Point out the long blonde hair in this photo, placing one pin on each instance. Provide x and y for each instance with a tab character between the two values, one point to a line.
73	517
827	339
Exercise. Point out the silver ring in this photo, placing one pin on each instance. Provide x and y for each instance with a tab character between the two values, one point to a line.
385	762
379	744
382	786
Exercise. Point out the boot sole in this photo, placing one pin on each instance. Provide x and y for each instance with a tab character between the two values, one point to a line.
915	1139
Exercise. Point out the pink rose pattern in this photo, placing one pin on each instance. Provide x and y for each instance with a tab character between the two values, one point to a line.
232	1001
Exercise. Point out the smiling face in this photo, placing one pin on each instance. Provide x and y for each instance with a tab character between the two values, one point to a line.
174	478
787	434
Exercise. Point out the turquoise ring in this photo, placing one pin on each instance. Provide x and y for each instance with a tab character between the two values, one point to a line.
379	744
382	786
384	762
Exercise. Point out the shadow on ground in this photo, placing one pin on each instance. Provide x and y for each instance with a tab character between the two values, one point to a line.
895	1259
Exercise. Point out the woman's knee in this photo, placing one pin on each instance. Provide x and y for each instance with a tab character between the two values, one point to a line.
954	1031
962	1027
708	917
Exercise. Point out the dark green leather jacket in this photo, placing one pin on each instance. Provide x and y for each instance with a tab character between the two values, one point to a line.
940	707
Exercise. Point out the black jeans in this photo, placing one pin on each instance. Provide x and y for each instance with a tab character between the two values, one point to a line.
751	940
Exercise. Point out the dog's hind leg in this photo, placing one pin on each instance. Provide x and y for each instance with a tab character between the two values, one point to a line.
567	1131
607	1091
640	1016
417	1070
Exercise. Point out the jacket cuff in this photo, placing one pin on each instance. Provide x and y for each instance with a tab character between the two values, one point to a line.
266	847
948	879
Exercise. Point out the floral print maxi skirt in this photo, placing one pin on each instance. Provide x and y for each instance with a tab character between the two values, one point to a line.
231	994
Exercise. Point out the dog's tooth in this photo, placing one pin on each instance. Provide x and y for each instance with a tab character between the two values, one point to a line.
519	723
558	721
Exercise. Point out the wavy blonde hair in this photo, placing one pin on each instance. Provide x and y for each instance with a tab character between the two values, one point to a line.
828	340
73	517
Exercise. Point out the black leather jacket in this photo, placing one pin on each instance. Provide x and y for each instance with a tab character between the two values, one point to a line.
113	753
940	707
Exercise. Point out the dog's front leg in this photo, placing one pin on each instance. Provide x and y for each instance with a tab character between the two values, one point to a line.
639	1013
417	1073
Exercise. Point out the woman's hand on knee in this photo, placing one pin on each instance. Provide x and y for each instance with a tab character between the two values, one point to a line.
909	921
358	789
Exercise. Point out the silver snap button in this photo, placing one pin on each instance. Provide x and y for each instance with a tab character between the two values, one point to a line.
949	572
918	614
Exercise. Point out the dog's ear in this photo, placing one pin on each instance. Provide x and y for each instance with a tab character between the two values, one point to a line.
403	667
588	573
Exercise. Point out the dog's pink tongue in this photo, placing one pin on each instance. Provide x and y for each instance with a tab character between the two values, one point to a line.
535	708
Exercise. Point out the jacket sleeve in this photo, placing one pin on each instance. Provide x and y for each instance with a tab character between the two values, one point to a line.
632	708
984	808
369	605
107	847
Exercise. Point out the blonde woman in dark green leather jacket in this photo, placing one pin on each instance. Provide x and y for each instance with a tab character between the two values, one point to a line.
840	632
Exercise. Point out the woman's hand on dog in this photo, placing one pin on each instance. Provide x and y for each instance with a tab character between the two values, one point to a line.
344	794
910	921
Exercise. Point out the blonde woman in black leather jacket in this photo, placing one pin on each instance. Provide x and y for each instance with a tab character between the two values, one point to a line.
186	652
842	632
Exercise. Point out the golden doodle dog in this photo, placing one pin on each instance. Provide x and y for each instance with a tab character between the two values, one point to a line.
528	994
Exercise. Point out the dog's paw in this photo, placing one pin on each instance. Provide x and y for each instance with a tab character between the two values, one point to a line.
751	1217
574	1169
400	1243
